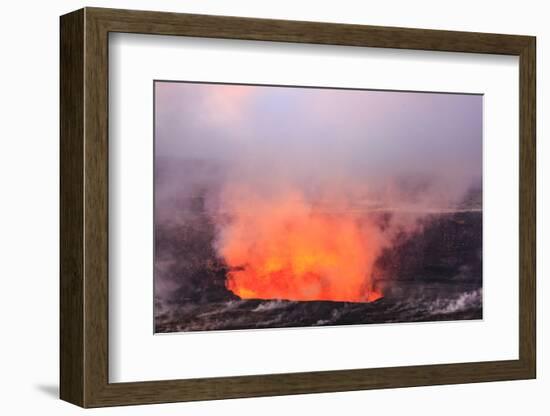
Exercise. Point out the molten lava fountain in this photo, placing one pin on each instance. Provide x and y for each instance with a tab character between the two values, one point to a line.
283	248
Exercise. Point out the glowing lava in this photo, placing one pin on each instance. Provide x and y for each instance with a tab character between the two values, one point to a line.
282	248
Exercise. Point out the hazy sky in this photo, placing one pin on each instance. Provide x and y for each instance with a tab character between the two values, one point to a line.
312	132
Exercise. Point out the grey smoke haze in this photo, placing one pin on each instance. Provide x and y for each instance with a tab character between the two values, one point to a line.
313	139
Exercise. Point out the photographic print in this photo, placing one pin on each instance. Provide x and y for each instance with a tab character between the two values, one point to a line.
291	206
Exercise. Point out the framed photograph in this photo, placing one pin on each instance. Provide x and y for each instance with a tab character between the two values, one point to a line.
254	207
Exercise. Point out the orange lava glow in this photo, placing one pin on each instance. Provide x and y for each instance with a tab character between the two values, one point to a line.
282	248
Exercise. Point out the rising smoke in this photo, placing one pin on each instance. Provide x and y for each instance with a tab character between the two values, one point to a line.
294	193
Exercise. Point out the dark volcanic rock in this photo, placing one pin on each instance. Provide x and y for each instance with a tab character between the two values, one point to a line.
433	274
447	248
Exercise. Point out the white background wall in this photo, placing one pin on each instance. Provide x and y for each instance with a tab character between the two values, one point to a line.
29	209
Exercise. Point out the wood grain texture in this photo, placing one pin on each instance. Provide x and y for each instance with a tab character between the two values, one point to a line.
162	23
96	217
527	208
71	213
84	207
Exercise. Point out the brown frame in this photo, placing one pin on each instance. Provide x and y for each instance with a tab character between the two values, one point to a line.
84	209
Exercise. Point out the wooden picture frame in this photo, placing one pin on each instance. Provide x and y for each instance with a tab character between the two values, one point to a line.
84	207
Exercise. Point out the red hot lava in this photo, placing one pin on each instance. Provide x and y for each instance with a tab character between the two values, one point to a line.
282	248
